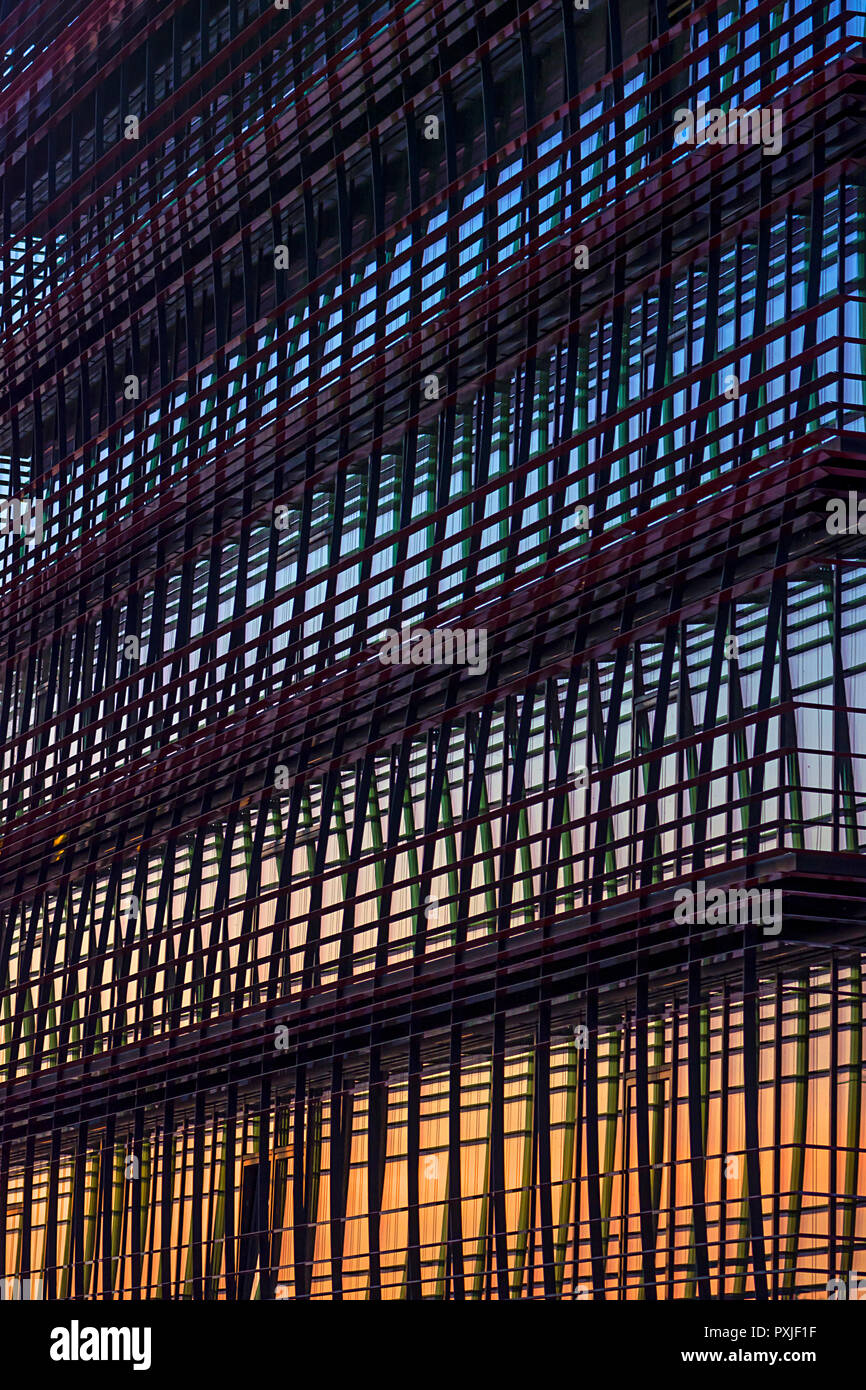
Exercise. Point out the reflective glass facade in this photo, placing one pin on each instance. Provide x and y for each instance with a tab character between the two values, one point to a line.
339	965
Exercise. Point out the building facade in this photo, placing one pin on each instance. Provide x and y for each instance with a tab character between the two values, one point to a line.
433	655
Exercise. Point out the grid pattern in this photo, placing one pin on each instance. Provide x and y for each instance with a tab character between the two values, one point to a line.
329	320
